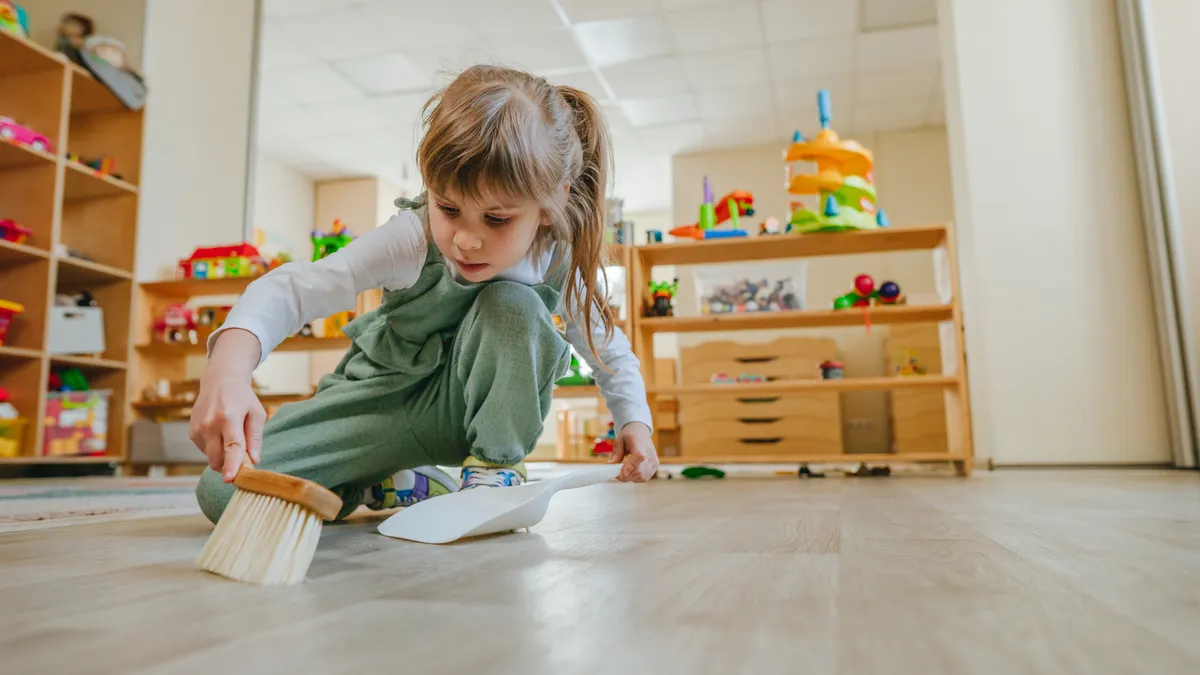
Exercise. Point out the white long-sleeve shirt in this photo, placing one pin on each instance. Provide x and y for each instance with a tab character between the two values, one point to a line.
391	257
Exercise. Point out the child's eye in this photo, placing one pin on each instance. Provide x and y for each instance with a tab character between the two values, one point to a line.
496	220
448	210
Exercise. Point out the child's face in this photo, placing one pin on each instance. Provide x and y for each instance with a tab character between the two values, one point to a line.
482	238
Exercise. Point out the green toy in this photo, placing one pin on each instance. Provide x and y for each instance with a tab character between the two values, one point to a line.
327	243
702	472
575	376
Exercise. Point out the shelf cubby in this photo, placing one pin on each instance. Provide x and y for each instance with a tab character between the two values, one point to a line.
27	197
25	283
22	378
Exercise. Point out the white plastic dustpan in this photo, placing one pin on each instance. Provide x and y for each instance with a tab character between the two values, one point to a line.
480	511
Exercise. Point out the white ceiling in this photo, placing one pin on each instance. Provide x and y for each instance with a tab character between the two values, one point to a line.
342	81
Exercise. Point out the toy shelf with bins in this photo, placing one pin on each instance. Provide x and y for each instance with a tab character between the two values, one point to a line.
948	317
84	230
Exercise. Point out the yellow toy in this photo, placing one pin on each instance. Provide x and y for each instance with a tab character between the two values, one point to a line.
843	183
334	324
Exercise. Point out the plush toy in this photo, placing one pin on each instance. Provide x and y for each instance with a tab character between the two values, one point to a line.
14	19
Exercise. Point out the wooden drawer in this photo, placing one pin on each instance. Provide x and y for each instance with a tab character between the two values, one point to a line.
783	359
700	409
815	427
919	421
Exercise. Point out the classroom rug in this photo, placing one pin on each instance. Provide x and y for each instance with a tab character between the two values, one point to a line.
40	504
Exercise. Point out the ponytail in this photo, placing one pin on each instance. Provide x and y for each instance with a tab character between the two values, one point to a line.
585	214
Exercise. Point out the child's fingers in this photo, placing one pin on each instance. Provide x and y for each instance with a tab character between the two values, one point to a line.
618	450
234	438
254	432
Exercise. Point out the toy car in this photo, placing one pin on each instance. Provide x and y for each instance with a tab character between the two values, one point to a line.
604	444
12	231
176	325
13	132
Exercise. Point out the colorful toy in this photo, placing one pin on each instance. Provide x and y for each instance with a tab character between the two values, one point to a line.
8	311
770	226
178	324
714	213
832	370
663	298
865	294
575	376
604	444
279	260
702	472
21	135
750	296
843	185
12	427
101	165
722	378
224	262
12	231
76	423
334	324
910	366
654	236
14	19
69	379
327	243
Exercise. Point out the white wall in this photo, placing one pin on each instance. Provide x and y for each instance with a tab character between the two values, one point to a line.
282	208
1061	341
197	65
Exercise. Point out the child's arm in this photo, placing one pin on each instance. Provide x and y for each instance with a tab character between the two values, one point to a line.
280	303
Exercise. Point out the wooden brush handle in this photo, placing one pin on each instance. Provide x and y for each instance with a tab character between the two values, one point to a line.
305	493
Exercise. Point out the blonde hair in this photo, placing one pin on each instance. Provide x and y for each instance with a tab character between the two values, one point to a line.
497	131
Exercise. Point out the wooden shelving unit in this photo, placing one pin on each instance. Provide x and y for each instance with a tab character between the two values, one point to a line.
69	205
948	316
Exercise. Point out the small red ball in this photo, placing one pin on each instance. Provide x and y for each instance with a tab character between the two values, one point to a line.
862	302
864	284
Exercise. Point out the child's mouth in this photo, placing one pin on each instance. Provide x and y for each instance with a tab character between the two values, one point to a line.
470	268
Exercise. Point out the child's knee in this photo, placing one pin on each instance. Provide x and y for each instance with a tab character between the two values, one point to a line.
510	303
213	494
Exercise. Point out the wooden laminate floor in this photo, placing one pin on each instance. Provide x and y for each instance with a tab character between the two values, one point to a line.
1007	573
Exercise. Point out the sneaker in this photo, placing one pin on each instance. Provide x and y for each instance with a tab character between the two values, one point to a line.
408	487
477	474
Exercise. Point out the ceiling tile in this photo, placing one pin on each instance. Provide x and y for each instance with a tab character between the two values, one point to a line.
907	84
443	62
622	40
313	84
542	52
581	11
272	97
711	70
277	49
647	78
583	80
884	14
742	131
340	34
420	23
511	17
733	102
709	28
901	48
672	139
791	20
384	74
644	112
292	123
273	8
797	102
615	115
799	60
889	116
396	114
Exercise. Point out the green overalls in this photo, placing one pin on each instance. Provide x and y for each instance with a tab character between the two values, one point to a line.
440	371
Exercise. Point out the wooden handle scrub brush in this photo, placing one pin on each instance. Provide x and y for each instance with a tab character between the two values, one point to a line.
268	533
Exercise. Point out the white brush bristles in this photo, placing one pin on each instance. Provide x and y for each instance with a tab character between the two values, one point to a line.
262	540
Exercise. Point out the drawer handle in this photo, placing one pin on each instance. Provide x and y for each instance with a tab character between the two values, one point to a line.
758	420
755	359
765	399
761	441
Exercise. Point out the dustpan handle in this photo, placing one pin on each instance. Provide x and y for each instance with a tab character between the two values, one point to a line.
589	476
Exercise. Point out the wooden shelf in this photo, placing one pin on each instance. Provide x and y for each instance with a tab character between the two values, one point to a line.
577	391
801	319
190	288
16	155
289	345
89	96
839	458
19	253
86	362
771	247
62	459
17	352
78	272
19	56
747	389
83	182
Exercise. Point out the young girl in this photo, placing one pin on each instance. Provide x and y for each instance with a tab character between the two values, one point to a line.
457	365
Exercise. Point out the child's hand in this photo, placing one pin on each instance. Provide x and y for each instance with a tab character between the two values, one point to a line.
635	447
227	417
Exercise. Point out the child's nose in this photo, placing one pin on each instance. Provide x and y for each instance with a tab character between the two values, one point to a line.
465	241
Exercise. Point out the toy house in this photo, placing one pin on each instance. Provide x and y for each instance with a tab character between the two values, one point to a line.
224	262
